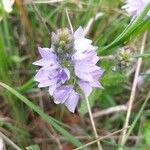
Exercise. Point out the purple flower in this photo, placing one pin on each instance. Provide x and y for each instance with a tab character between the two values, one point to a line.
67	95
135	7
85	59
68	67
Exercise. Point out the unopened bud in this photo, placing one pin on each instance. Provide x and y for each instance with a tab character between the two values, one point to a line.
124	58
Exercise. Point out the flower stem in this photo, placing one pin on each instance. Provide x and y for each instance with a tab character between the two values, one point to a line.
92	122
69	21
40	17
133	93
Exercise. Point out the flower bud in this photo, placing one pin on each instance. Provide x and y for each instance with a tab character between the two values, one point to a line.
62	41
124	58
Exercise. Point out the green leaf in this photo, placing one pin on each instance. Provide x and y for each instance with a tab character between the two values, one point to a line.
141	28
44	116
127	31
3	60
146	133
27	86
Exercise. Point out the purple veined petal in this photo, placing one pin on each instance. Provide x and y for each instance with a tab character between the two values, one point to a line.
97	73
87	89
80	55
72	101
46	83
66	70
94	60
82	44
61	75
84	76
96	84
85	51
46	52
64	75
46	62
54	74
41	74
85	67
83	41
52	88
62	93
45	78
79	33
89	56
42	62
92	48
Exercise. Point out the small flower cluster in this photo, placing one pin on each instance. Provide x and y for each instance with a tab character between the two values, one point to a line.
124	57
68	67
135	7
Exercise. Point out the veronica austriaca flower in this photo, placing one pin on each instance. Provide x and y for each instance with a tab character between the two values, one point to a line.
69	67
135	7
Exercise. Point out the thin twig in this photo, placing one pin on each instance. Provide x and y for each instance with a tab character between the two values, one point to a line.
92	122
40	140
90	22
111	110
9	141
41	19
69	21
57	139
99	138
133	91
43	1
53	136
138	115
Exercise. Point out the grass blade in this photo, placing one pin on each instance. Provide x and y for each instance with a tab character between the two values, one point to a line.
138	115
45	117
128	31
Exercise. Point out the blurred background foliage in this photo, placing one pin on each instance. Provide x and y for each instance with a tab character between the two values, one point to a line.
22	31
